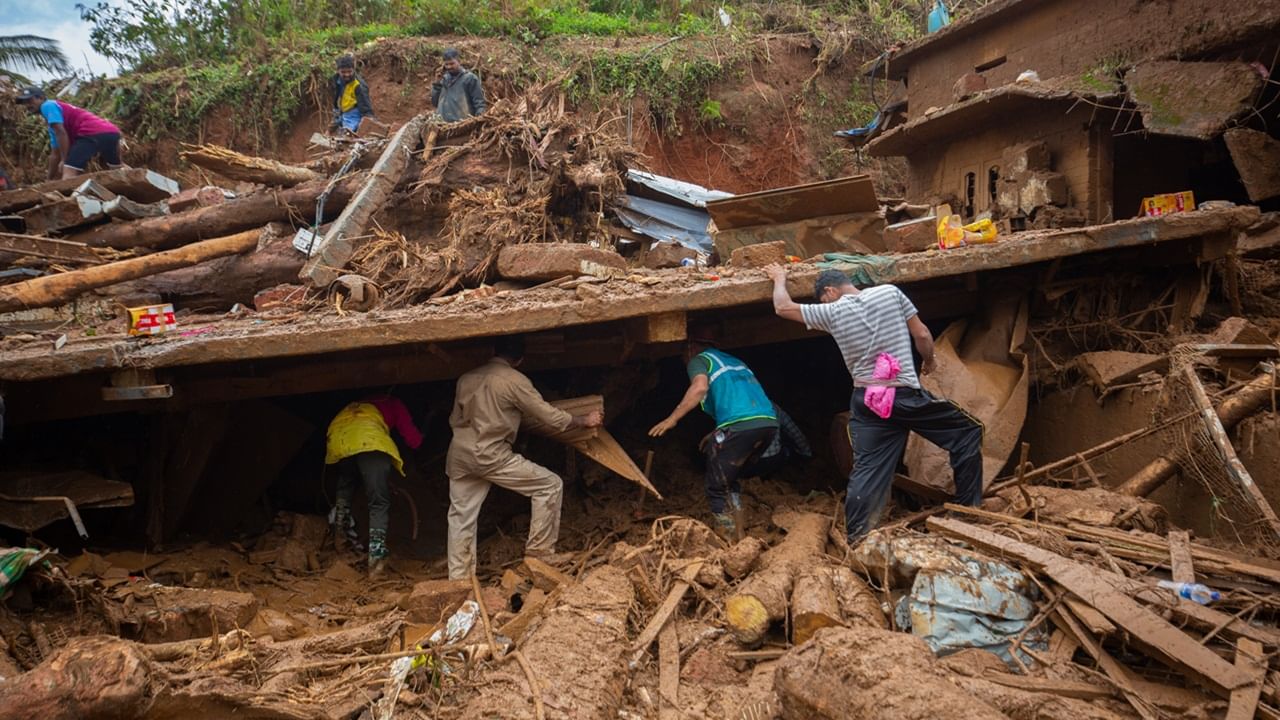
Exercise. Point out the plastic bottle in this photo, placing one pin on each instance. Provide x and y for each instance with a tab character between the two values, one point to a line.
1194	592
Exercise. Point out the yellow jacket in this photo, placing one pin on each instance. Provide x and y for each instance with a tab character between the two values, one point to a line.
360	428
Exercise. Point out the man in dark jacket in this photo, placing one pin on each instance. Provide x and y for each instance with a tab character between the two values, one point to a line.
351	103
457	93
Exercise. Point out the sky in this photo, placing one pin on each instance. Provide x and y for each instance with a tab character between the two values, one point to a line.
57	19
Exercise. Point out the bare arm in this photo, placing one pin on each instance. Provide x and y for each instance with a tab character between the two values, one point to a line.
923	340
692	398
64	142
783	305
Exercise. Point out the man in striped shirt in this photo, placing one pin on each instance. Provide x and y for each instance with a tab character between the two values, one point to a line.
866	324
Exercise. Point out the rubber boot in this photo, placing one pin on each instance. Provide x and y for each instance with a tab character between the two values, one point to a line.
341	519
724	525
377	552
739	519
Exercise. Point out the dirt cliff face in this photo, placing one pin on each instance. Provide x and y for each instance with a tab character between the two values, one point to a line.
764	120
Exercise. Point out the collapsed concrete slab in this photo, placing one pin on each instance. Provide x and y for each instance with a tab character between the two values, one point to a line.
1192	99
540	262
1257	158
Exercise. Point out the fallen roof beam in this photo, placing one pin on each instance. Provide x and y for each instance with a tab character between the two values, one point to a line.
486	317
137	184
339	243
247	168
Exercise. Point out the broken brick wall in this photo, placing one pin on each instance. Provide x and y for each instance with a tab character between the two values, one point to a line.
1082	156
1080	38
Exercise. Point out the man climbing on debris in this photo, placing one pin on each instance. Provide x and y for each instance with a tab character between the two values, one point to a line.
788	442
359	443
76	135
490	403
746	422
457	93
875	329
351	104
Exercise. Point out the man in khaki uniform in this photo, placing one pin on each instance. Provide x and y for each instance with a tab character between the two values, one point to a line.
489	405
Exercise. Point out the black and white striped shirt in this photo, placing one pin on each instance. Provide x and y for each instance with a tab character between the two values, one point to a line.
864	325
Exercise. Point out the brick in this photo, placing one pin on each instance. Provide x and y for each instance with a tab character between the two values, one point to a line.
968	85
912	235
540	262
759	255
433	601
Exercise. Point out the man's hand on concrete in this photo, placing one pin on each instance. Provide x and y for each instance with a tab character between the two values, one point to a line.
776	272
661	428
928	365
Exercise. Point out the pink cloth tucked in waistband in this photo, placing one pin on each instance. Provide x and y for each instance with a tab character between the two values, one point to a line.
880	397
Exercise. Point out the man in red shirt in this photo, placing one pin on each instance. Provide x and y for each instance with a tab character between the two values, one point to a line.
75	135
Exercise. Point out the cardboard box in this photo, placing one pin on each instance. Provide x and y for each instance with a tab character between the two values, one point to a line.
152	319
1168	203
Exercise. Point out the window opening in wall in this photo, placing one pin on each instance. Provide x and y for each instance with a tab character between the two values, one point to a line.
970	193
993	182
995	63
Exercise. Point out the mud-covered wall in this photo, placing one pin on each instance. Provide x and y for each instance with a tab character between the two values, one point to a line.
1078	37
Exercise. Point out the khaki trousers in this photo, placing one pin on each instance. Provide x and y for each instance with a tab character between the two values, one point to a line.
468	486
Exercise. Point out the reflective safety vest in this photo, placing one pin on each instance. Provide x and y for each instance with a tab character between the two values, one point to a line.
734	394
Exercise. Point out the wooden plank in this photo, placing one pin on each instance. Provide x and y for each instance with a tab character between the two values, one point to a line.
1062	646
1234	467
1124	678
1062	688
48	248
668	672
604	449
340	242
461	321
659	328
1244	700
1237	350
664	611
1180	556
1155	636
1093	620
144	392
57	289
135	183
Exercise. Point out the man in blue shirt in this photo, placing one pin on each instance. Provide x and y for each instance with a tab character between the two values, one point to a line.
746	423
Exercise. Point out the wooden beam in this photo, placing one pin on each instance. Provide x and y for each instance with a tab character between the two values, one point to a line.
1180	556
134	183
668	672
552	308
247	168
342	238
53	290
1149	631
48	248
1122	676
664	611
1234	467
1244	700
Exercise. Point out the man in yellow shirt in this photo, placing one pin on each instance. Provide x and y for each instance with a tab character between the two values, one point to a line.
359	443
490	403
351	104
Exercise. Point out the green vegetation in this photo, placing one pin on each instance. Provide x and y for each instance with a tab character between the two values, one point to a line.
31	52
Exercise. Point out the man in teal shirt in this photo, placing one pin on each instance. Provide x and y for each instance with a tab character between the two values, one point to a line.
746	423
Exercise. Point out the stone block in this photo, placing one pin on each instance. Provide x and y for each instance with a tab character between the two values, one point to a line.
912	235
667	255
1041	188
196	198
759	255
433	601
1025	158
540	262
1257	158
